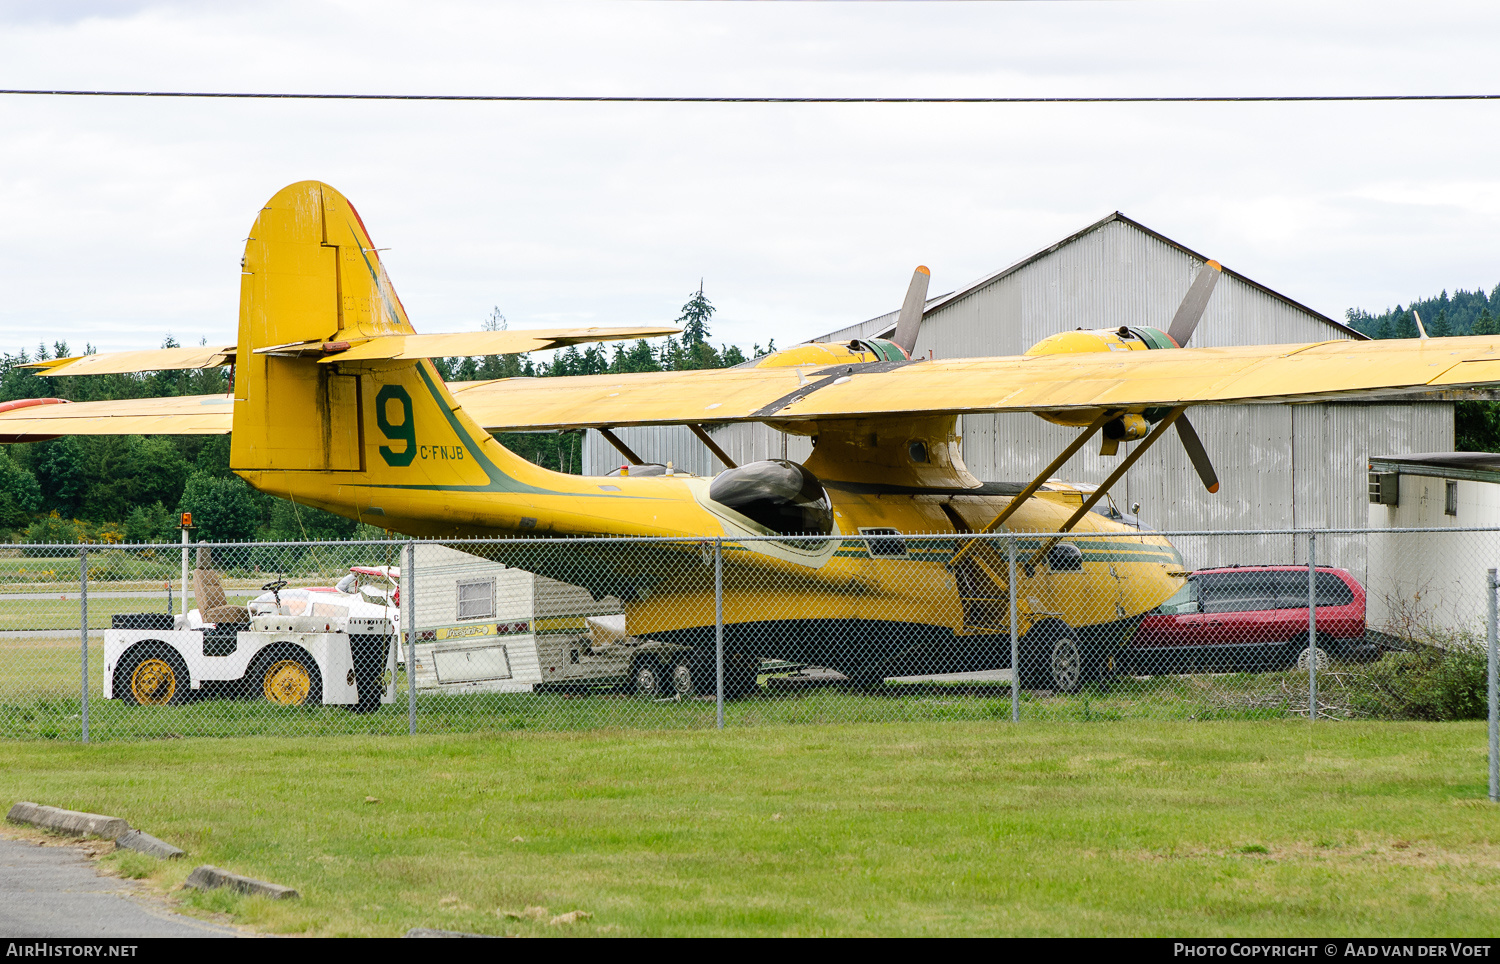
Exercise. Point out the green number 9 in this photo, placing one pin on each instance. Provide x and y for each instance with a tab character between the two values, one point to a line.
406	431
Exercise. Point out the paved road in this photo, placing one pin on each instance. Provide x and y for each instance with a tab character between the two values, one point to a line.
54	892
157	594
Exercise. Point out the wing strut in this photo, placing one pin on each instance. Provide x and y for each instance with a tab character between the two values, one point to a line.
623	449
713	446
1104	487
1040	480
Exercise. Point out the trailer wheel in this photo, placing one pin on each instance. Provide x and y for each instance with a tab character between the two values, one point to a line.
647	680
683	682
288	677
152	674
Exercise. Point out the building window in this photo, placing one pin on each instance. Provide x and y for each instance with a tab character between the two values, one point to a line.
1450	499
476	599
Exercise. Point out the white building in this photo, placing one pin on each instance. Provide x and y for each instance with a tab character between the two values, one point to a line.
1436	579
1281	466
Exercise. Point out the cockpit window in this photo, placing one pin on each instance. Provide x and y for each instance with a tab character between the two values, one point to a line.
780	495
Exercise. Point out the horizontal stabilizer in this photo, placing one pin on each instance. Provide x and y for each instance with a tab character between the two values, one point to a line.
464	344
36	419
122	362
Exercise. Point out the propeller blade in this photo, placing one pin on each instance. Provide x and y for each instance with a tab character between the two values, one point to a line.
910	320
1191	309
1199	456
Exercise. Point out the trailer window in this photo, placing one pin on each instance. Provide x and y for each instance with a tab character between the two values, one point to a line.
476	599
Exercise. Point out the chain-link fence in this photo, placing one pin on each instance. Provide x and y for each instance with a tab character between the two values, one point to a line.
133	642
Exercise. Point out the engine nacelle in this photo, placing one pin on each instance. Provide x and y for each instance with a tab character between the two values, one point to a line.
1124	338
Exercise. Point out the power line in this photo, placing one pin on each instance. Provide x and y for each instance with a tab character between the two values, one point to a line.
628	99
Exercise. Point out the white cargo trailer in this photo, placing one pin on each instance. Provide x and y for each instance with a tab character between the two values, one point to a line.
483	627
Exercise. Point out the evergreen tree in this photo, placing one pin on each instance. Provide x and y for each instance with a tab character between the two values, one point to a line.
61	474
224	510
1486	325
695	316
1440	327
20	495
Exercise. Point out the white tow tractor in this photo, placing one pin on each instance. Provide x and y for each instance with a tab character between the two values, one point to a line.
294	647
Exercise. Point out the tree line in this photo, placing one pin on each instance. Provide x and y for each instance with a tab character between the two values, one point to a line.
132	488
1476	424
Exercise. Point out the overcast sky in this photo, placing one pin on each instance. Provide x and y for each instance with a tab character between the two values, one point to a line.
121	220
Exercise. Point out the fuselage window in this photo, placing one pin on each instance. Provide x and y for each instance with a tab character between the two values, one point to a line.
884	542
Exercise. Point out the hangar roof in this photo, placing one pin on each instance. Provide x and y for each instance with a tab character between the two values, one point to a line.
879	324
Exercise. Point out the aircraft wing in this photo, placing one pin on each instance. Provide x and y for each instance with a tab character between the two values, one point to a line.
124	362
379	348
1085	380
41	419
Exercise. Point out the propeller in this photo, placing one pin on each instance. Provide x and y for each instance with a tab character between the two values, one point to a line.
1184	323
909	322
1190	312
1196	453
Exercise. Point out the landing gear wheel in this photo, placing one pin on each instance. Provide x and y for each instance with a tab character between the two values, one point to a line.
683	683
1053	658
289	677
152	675
647	680
1066	665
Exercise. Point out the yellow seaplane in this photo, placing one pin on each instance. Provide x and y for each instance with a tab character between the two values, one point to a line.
336	404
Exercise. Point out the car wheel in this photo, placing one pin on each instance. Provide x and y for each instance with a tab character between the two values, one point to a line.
152	674
646	679
1307	655
287	676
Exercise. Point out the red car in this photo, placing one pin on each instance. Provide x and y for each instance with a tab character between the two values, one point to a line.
1251	618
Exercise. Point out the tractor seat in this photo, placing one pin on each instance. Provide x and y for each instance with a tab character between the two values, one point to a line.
225	614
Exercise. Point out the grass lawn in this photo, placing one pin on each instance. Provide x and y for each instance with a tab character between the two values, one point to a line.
1106	828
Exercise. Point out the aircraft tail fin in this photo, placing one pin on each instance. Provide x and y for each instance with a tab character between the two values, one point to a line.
379	439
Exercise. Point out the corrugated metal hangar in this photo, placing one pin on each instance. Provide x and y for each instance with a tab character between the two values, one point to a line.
1281	466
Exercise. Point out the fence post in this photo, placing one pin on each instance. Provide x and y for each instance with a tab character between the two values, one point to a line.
719	630
1312	626
409	603
184	586
83	636
1494	692
1015	642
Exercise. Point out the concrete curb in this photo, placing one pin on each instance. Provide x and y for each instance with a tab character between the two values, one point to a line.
68	821
206	877
432	932
143	842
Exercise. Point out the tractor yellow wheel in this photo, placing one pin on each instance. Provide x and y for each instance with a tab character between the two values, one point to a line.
153	682
287	681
